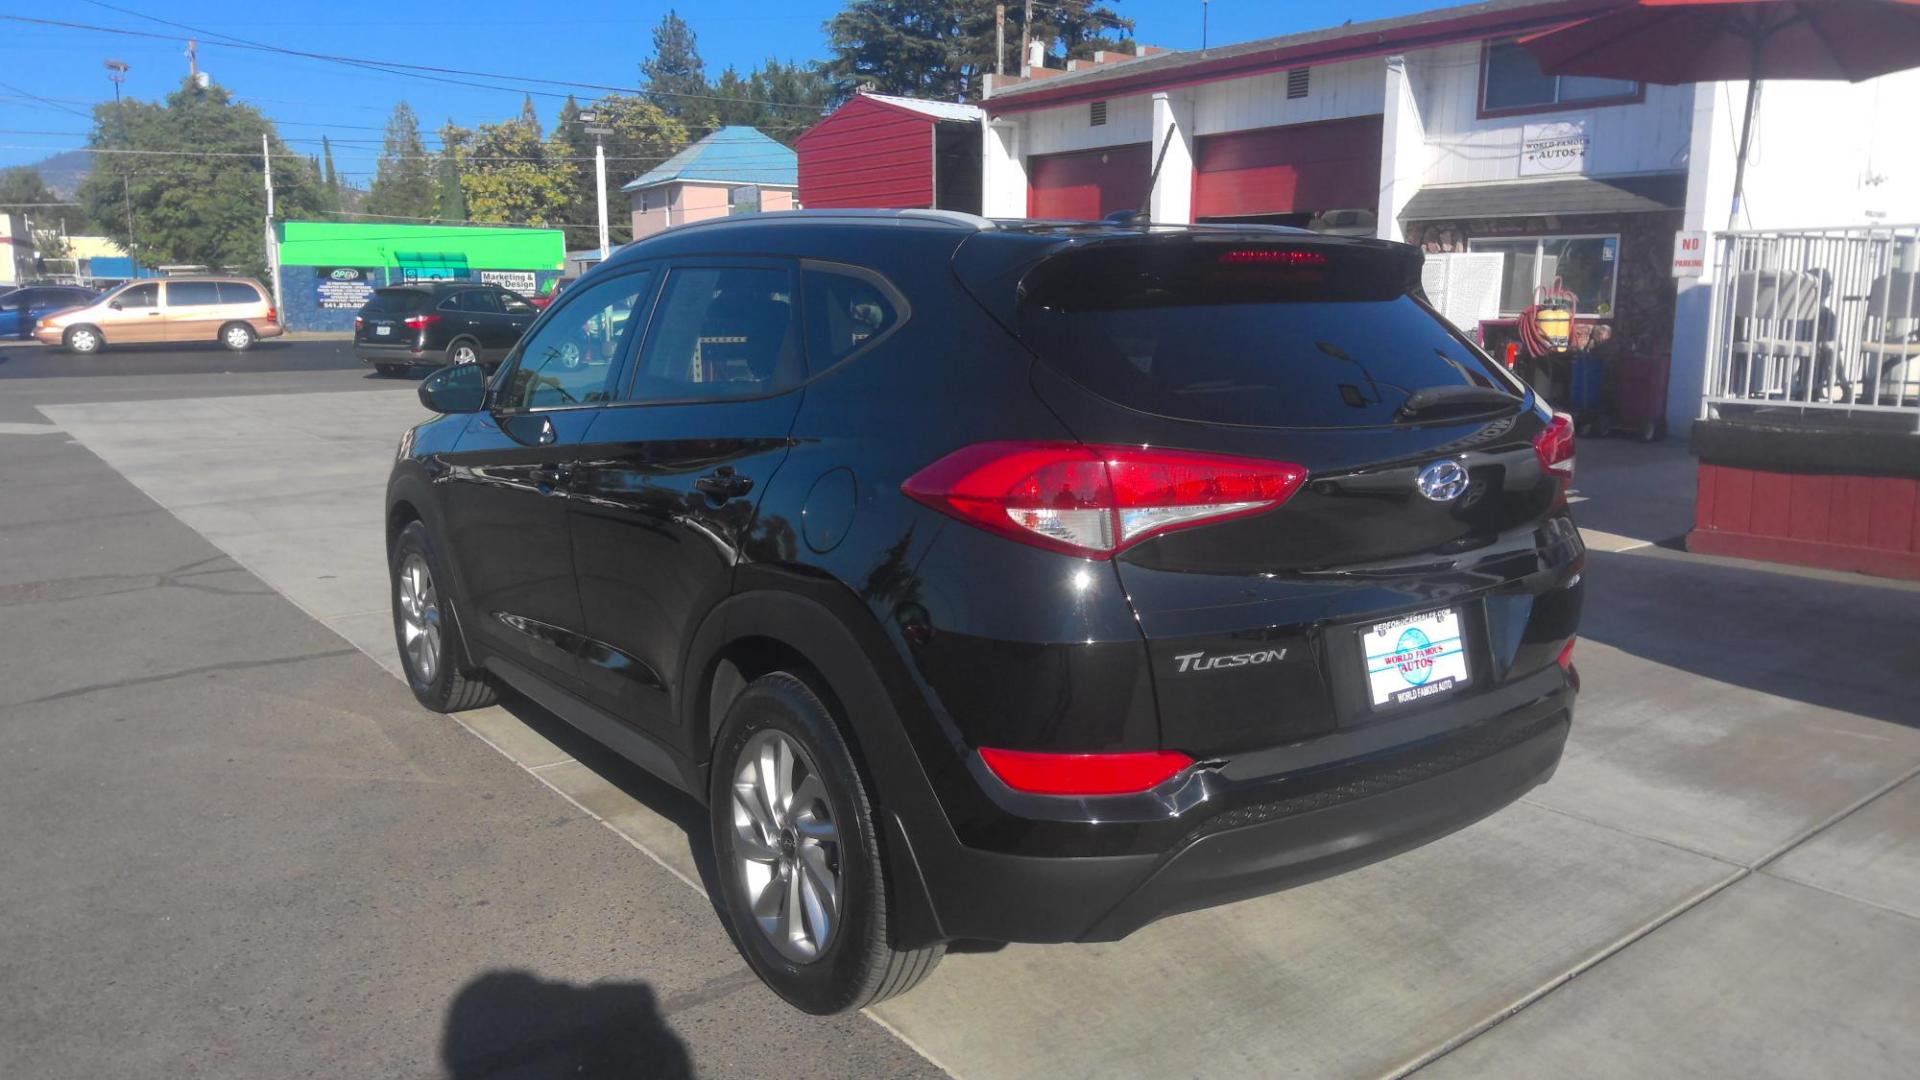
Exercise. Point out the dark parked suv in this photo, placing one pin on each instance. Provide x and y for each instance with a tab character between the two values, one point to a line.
1015	581
439	322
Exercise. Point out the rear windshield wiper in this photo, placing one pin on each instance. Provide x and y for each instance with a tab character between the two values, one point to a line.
1441	398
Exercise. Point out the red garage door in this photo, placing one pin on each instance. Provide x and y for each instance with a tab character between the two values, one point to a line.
1295	169
1087	185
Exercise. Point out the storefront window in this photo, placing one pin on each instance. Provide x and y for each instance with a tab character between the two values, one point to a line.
1585	265
1515	83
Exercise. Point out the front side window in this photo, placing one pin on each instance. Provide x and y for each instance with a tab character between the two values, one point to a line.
139	296
1515	83
1586	266
721	332
192	293
570	359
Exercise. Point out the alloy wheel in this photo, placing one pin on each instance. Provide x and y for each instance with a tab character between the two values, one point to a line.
420	617
239	337
464	354
83	341
787	846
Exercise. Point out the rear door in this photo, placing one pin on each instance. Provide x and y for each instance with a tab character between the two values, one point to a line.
383	318
668	483
1310	353
193	311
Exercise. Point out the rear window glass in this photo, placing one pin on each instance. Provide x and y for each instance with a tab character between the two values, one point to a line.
397	301
1322	337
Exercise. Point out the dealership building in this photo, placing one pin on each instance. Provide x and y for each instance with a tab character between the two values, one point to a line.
328	268
1436	128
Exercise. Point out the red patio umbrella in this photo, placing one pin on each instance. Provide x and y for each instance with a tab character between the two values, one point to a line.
1690	41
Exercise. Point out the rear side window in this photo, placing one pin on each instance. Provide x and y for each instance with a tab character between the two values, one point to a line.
480	301
237	292
397	301
1313	336
844	312
723	331
191	293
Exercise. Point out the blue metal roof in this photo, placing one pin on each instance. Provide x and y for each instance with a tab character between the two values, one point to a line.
732	155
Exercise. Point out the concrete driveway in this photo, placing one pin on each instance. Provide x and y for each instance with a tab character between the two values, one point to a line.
1723	878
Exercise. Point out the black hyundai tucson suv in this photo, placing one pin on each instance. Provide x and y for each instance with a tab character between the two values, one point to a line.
1007	581
431	323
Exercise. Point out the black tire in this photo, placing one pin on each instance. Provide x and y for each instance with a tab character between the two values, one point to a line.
463	351
450	683
858	965
238	337
76	339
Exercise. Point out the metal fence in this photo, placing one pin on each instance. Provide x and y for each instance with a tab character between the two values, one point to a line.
1817	322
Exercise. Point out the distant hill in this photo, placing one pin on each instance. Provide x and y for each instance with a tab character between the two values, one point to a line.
63	173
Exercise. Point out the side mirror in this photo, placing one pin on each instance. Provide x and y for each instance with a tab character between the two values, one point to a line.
456	388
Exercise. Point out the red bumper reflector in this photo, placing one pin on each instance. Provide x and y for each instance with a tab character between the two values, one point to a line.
1083	774
1565	659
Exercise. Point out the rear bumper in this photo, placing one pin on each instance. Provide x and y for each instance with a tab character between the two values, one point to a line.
392	354
1264	835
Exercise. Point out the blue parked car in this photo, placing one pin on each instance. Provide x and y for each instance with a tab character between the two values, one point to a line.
22	308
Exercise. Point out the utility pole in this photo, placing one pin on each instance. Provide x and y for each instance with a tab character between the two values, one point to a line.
273	246
1026	35
595	128
999	41
193	60
117	74
1203	24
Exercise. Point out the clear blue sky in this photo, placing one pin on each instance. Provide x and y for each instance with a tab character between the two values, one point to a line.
588	40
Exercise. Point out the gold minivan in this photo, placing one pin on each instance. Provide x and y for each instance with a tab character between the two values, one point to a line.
235	312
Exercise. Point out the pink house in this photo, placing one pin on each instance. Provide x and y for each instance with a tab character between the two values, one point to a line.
734	170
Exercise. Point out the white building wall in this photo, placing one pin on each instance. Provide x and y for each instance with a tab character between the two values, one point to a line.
1056	130
1652	136
1335	92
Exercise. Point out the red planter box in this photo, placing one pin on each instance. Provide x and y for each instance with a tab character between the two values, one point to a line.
1866	524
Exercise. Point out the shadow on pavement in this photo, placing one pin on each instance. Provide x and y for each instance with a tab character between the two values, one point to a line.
1830	643
513	1024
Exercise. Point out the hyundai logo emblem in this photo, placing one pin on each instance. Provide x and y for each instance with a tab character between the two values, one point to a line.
1443	481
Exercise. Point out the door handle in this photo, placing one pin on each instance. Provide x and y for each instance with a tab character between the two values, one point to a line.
550	478
723	484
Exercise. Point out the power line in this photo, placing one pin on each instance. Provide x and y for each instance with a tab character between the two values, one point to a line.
424	71
47	101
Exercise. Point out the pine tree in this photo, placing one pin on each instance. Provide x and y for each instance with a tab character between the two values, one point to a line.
675	70
450	197
939	49
330	179
403	185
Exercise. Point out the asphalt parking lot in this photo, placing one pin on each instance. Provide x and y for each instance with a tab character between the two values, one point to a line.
235	847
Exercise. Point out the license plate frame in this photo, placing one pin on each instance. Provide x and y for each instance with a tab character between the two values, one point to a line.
1415	657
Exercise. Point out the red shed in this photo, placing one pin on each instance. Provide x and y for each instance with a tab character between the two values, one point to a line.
893	152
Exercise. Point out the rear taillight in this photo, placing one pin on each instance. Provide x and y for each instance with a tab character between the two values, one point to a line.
1555	447
1097	500
1084	774
273	313
1272	257
1565	659
421	322
358	322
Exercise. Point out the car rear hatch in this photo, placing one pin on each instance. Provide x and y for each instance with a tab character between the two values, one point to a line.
1404	572
384	318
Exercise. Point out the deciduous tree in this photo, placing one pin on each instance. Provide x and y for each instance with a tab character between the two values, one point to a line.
194	189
